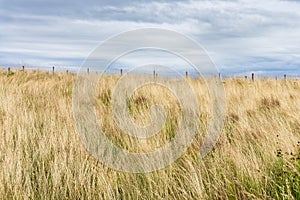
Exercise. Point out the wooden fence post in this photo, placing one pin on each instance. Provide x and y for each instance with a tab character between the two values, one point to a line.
252	76
53	69
88	70
8	69
154	74
284	77
121	72
186	75
23	68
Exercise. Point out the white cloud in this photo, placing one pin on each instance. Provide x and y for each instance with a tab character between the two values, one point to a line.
259	35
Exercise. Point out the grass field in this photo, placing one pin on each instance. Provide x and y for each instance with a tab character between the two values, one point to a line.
42	157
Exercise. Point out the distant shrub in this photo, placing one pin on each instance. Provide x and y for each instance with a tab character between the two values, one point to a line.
140	100
233	117
269	103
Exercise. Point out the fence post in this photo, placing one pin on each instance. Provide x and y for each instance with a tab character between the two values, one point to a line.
154	74
186	75
53	69
88	70
252	76
121	72
8	69
284	77
23	68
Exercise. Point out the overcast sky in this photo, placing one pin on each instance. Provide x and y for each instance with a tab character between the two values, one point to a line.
239	36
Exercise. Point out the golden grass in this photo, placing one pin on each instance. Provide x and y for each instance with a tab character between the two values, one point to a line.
41	155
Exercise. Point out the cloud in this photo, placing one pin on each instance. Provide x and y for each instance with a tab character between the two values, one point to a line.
240	36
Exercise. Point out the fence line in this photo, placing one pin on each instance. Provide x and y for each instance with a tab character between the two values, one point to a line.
155	74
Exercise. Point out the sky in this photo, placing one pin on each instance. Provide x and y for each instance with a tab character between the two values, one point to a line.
240	36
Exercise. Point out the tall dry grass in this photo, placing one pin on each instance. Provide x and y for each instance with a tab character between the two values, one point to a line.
42	157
